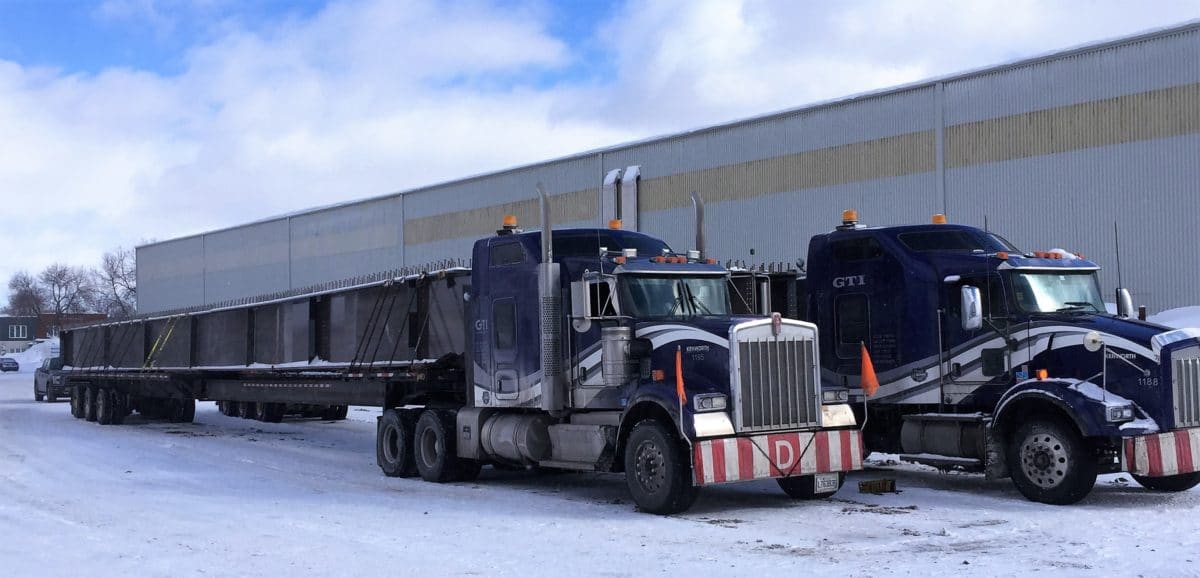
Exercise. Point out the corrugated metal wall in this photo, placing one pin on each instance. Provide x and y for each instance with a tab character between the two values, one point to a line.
1050	152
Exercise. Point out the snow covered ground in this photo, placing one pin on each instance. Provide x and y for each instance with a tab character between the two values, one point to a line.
225	496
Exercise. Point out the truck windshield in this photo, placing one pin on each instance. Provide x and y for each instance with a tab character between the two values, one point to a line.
1054	291
673	296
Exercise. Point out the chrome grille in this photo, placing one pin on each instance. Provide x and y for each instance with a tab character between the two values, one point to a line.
777	384
1185	383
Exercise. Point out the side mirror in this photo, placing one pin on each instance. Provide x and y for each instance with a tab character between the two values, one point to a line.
580	311
1124	302
972	308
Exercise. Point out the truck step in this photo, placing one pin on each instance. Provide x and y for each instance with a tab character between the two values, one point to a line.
577	466
944	462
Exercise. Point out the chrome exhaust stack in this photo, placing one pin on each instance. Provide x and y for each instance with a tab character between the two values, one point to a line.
698	203
549	295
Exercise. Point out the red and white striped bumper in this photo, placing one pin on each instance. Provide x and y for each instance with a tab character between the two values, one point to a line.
1164	454
776	455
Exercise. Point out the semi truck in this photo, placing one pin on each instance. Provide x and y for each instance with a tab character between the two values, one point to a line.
995	360
577	349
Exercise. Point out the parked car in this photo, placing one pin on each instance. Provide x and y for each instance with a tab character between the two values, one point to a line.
48	380
9	364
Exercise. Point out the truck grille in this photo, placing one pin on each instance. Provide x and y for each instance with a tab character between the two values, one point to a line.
1185	381
778	385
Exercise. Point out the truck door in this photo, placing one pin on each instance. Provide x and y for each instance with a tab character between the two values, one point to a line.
966	366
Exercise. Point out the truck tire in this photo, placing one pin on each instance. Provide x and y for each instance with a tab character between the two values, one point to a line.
1177	483
1050	462
434	448
804	487
76	402
89	402
37	396
657	469
104	406
270	412
246	409
394	444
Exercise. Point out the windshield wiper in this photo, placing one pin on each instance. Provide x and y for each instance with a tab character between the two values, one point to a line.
697	306
1077	305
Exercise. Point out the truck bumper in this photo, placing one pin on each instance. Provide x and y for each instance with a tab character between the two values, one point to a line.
1164	454
776	455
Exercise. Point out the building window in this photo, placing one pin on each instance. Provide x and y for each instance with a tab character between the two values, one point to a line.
18	332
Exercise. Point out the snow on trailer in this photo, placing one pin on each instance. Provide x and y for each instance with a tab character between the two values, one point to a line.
584	350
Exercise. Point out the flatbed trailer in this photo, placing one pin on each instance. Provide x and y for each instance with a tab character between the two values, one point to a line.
582	349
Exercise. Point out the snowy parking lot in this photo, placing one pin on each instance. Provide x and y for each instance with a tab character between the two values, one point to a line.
225	496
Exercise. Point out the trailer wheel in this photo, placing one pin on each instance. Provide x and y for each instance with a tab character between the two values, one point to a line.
394	444
657	470
1177	483
269	412
1050	462
246	409
76	402
89	403
104	406
435	451
804	487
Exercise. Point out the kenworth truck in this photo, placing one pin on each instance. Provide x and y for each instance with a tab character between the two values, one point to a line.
581	349
1000	361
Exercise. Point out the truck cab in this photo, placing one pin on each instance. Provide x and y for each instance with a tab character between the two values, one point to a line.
974	342
606	350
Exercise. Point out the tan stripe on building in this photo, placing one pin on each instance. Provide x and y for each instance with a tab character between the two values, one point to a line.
1135	117
1143	116
566	207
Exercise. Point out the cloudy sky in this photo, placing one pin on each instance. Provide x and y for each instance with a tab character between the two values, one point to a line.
127	120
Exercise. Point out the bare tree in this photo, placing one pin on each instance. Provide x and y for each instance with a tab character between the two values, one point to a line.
67	289
26	297
116	284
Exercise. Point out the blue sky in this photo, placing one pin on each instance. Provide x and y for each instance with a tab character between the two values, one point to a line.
127	120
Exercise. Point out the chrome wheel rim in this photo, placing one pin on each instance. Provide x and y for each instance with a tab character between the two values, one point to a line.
1044	460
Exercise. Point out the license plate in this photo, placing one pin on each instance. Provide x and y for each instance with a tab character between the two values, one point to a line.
825	483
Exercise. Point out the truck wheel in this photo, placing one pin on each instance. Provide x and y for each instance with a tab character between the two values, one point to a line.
394	444
804	487
657	470
104	406
76	402
1178	483
89	403
246	409
434	447
1050	463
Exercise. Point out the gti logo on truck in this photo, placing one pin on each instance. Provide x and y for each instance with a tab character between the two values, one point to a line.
850	281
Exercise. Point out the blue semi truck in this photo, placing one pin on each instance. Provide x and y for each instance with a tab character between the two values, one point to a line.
997	360
578	349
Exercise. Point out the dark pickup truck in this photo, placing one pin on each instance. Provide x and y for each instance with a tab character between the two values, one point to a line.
48	380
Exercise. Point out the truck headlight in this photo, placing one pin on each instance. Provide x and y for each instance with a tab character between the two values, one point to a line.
837	395
709	402
1120	413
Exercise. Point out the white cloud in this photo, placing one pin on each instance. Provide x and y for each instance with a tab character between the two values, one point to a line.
364	98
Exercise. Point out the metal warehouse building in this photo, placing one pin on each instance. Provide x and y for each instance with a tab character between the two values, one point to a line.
1051	151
